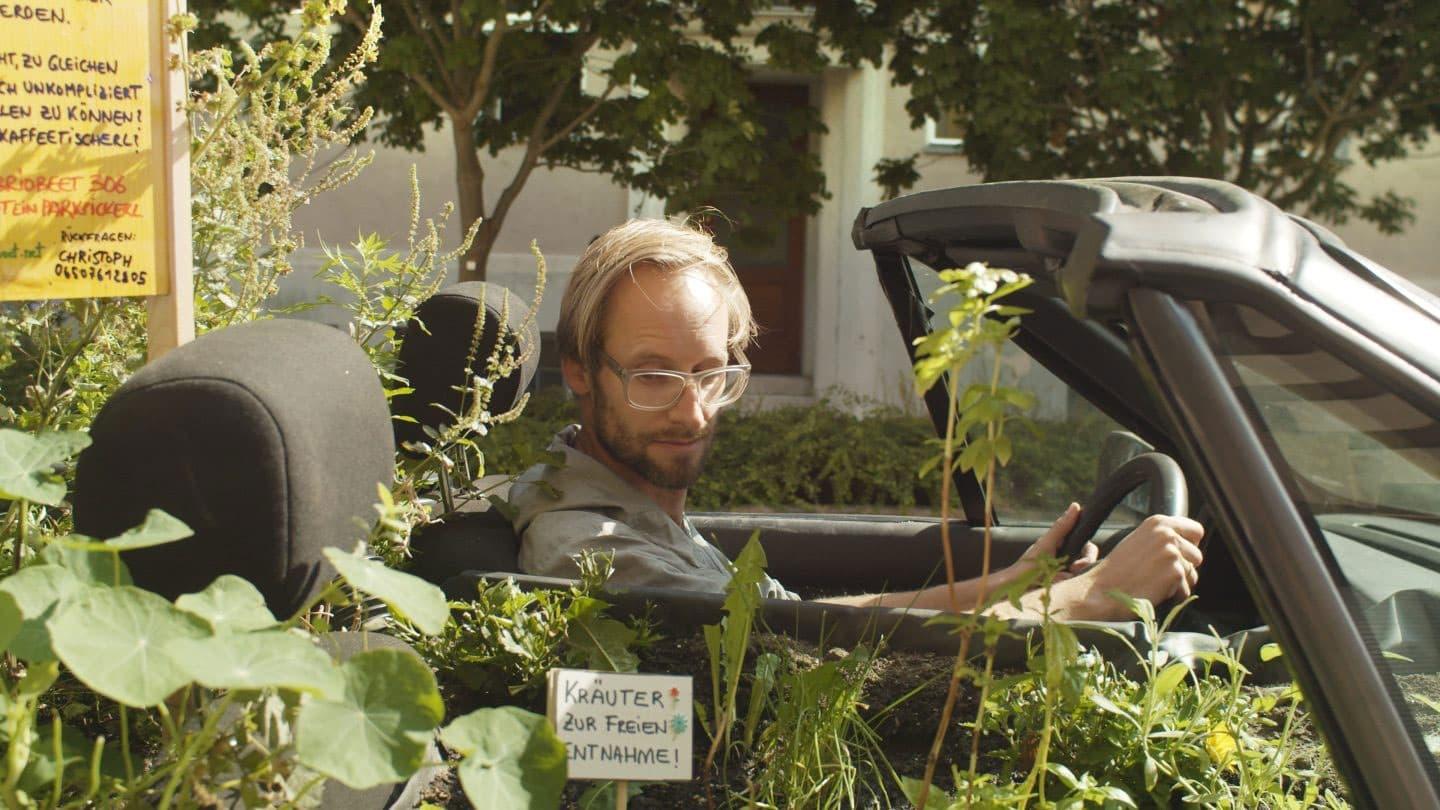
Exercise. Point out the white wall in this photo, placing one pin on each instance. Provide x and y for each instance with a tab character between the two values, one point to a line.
1415	253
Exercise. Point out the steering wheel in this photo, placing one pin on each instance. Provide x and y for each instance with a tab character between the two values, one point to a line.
1168	496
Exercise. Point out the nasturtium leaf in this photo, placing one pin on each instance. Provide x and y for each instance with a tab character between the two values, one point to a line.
27	462
512	758
230	604
157	529
414	599
116	641
10	619
90	566
37	589
267	659
379	728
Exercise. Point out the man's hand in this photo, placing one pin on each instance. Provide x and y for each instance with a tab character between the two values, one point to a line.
1047	545
1158	561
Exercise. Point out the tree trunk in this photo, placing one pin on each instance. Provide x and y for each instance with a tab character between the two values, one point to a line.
470	179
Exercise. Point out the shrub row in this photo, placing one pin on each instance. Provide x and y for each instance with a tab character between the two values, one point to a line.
836	453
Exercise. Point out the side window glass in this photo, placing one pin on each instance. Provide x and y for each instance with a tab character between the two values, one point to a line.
1366	464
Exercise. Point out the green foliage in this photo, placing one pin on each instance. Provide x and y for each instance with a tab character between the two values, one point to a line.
378	727
512	758
819	750
504	75
418	602
728	643
1176	735
504	642
266	126
383	287
27	464
211	665
1280	97
115	640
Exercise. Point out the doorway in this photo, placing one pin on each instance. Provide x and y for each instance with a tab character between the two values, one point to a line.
769	255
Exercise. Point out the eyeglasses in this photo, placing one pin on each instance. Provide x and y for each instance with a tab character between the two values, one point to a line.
659	389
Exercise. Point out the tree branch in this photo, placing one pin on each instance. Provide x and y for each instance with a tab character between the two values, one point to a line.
564	132
425	30
535	145
480	88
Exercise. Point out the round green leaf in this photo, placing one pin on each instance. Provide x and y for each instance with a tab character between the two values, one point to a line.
26	464
269	659
37	589
512	758
230	605
378	731
422	603
90	566
157	529
116	641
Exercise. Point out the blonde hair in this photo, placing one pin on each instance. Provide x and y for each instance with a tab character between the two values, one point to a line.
668	247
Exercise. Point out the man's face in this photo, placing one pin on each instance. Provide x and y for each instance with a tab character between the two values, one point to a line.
674	321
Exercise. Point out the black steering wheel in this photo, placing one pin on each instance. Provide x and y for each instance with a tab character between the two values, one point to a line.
1168	496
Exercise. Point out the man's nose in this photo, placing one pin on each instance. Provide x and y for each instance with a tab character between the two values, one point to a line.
689	410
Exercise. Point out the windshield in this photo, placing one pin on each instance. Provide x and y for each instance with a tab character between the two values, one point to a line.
1061	446
1366	463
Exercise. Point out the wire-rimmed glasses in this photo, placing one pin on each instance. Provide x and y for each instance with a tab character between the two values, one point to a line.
649	389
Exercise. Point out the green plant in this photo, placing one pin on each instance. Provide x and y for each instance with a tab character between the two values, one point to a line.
1182	732
818	750
728	643
260	129
383	287
975	422
502	643
210	666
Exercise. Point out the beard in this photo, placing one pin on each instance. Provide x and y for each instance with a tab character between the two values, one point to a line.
629	448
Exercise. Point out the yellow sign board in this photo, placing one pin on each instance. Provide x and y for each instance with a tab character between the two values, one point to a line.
85	183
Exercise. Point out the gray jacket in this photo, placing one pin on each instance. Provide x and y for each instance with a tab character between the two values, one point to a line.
587	506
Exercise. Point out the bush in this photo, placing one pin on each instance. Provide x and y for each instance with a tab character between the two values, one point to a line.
837	453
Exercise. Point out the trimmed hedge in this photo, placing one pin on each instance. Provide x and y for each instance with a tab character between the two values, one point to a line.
835	454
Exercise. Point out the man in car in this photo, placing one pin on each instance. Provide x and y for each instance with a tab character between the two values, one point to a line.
652	336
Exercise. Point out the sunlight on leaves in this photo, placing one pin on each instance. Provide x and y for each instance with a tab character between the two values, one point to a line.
229	605
512	758
27	464
378	730
116	641
269	659
412	598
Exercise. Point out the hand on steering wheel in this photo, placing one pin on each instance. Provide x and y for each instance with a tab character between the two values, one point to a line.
1158	560
1168	496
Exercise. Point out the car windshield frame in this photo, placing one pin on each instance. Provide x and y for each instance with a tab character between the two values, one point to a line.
1131	250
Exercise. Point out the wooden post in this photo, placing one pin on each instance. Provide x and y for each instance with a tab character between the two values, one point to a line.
622	794
171	314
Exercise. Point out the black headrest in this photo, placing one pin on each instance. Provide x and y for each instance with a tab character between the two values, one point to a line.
267	438
440	338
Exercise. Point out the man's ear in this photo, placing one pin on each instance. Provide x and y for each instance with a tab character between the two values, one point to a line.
577	377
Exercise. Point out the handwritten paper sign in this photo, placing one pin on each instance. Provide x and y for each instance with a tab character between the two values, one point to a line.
623	726
83	168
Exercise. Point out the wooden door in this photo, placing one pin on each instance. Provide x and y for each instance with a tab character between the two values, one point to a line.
769	256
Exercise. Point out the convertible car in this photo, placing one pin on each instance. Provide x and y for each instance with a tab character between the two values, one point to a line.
1230	360
1245	367
1296	383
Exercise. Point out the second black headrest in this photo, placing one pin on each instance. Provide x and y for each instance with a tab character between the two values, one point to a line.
439	340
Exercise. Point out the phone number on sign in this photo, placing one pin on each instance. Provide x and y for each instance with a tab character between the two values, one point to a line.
76	272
